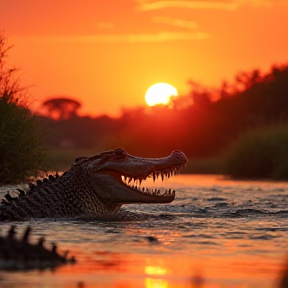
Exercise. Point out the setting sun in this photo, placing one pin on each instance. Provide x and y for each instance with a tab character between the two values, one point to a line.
160	93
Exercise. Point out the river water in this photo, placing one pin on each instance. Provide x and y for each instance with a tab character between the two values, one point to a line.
217	233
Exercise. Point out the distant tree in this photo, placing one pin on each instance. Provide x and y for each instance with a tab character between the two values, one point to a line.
245	80
224	90
61	108
200	95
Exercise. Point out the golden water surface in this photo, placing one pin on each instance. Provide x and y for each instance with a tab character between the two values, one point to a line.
217	233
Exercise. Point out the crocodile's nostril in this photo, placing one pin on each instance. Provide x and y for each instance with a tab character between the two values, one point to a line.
179	154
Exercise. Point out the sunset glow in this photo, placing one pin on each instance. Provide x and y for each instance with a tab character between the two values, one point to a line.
106	53
160	93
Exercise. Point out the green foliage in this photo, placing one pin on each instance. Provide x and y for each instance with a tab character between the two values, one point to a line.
259	153
21	152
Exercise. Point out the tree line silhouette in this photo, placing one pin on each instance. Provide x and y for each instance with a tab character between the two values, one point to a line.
202	123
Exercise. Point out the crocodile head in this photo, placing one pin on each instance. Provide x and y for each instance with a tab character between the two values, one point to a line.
117	177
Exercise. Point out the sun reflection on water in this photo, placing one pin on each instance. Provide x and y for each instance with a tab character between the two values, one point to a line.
151	282
155	270
156	283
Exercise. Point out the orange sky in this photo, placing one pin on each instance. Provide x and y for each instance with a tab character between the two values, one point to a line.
108	53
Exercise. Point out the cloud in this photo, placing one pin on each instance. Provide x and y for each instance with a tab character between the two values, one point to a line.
176	22
125	38
167	36
229	5
144	5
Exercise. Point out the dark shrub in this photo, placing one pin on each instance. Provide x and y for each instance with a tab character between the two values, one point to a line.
21	151
259	153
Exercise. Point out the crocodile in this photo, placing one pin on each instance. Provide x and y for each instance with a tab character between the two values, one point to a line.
95	185
20	254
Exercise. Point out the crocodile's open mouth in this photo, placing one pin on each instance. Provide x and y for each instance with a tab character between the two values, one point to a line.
134	180
144	184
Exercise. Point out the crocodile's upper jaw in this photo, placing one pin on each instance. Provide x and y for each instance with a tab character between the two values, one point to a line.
119	179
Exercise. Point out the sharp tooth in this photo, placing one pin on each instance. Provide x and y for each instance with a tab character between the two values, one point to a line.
157	174
140	181
129	180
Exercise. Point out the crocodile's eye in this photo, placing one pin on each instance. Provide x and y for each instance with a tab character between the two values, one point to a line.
119	153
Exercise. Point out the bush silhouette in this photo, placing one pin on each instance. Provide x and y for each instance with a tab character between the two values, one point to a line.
21	152
260	153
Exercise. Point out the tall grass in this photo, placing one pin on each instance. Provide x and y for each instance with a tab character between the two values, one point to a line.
21	151
259	153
